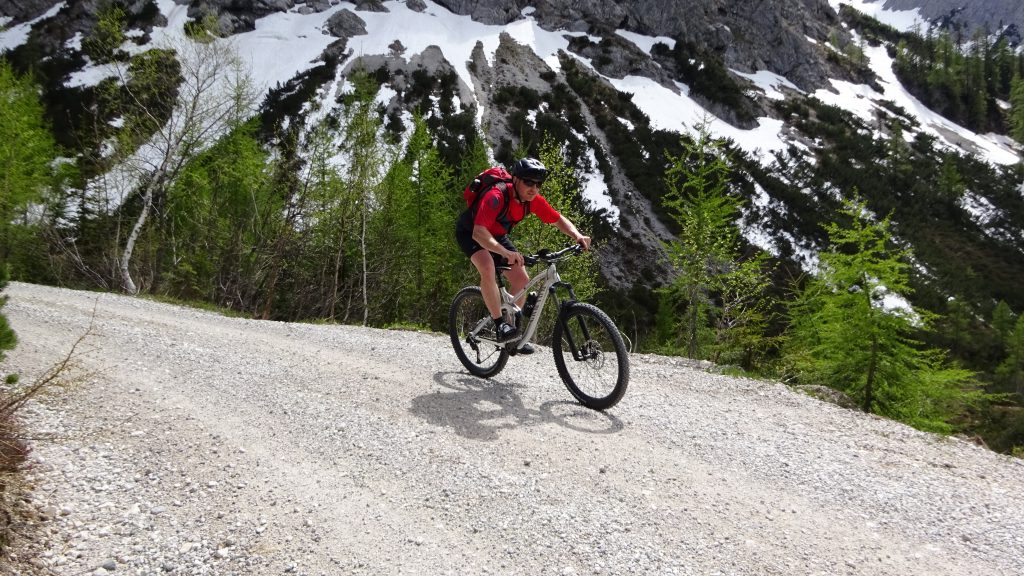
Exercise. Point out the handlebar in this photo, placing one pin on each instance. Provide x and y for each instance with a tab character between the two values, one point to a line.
545	255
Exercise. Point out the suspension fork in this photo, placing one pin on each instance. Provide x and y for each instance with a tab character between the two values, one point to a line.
577	353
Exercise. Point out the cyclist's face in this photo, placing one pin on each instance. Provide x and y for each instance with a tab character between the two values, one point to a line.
527	189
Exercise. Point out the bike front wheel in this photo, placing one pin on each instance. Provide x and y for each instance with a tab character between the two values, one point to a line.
590	355
472	333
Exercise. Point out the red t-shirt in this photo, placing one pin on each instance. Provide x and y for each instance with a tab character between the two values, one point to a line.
491	204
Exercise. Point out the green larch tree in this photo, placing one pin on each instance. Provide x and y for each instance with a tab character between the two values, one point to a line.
413	230
220	212
27	152
367	161
744	313
1010	372
8	338
563	189
852	329
1003	320
327	216
1017	108
700	202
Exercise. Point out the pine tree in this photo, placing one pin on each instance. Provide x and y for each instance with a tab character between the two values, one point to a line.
27	151
1010	372
1002	321
1017	109
698	200
851	329
367	162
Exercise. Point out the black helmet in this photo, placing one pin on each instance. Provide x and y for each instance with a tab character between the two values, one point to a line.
529	168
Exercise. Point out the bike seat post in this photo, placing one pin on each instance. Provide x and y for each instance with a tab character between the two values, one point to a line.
498	274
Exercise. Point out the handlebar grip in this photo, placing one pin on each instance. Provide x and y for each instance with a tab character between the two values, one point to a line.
544	254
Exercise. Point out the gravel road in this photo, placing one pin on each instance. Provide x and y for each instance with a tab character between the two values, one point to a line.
199	444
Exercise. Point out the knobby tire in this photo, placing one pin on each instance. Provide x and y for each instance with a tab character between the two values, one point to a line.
466	311
598	380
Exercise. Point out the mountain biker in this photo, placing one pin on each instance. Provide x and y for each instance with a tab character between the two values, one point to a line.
482	235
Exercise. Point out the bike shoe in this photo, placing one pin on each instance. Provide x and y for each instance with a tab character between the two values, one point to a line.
503	331
526	349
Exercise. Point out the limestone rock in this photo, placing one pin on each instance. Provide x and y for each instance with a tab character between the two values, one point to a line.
345	24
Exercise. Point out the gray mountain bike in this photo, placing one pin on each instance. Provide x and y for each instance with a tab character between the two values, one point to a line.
589	351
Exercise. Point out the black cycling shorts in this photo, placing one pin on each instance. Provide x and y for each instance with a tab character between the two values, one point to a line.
469	246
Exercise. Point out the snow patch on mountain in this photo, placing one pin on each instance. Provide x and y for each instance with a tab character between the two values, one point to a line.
903	20
15	36
864	102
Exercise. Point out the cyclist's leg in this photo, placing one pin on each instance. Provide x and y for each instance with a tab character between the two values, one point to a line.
517	276
484	264
517	280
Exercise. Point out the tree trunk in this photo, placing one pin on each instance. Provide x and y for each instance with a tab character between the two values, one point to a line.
362	245
129	245
869	385
692	313
338	259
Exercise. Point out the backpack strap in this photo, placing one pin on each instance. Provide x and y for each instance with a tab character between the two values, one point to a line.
504	187
501	185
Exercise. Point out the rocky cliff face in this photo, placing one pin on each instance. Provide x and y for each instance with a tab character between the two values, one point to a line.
749	35
22	10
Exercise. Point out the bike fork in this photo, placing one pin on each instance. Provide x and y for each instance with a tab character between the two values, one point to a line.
578	354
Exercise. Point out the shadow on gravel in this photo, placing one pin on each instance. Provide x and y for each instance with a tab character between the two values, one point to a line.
479	409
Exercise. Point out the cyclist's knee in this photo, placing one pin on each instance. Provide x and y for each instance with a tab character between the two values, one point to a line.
484	264
517	277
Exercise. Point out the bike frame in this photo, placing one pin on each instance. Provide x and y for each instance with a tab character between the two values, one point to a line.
550	280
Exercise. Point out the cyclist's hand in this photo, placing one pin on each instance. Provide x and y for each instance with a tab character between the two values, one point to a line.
514	258
584	241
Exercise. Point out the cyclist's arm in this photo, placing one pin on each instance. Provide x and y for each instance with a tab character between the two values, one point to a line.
569	229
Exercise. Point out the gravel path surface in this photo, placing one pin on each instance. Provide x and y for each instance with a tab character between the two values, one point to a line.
198	444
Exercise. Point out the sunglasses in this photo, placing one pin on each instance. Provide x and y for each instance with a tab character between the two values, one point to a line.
532	183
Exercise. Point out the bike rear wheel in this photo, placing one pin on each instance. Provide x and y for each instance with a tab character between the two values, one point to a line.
479	354
590	355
